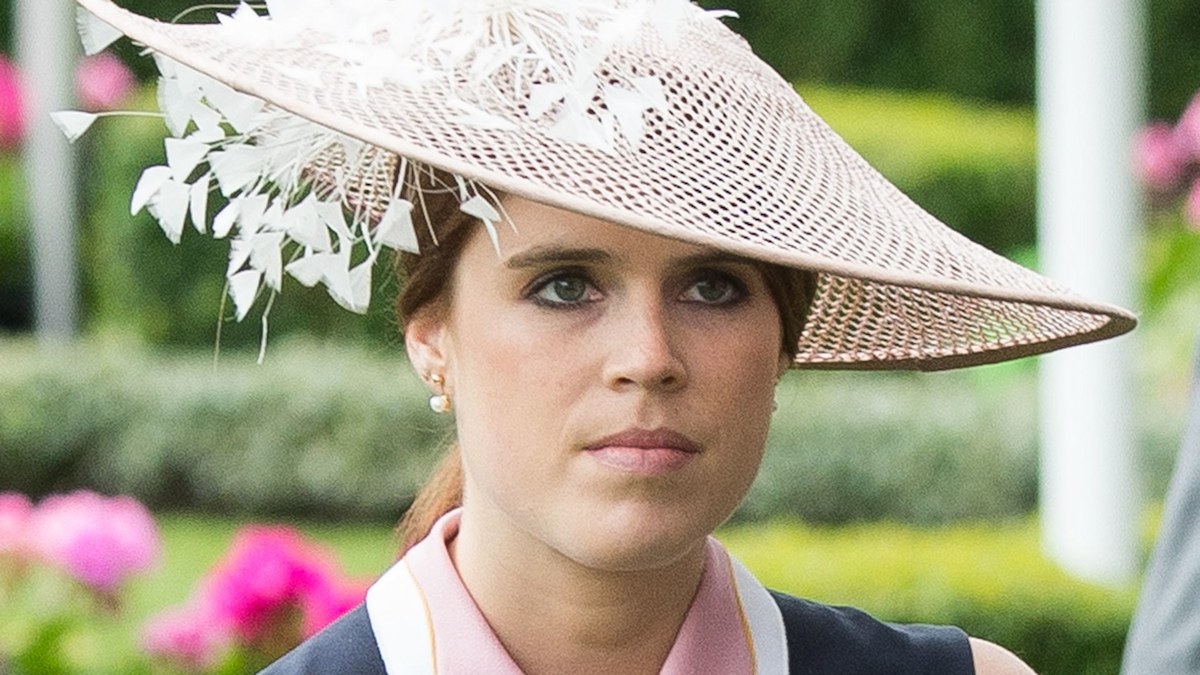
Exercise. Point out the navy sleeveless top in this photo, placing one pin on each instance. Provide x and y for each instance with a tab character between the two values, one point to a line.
821	639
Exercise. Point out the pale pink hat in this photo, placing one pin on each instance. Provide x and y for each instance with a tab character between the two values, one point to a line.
647	113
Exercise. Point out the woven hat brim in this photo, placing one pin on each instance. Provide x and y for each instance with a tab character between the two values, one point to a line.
759	175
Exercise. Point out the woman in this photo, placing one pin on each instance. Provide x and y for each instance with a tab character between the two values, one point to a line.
629	228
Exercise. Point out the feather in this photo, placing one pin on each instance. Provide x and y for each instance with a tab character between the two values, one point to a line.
236	167
395	229
198	202
95	34
184	155
148	185
169	206
73	123
243	287
308	270
225	220
303	224
266	256
360	287
239	253
239	109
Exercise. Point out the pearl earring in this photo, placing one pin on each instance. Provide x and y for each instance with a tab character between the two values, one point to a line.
439	403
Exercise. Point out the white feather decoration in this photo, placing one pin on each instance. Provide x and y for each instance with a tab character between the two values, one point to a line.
491	56
95	34
73	123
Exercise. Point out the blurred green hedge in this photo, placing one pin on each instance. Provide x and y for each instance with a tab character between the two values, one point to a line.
989	580
972	165
336	430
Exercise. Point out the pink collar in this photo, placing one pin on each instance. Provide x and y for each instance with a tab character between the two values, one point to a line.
714	636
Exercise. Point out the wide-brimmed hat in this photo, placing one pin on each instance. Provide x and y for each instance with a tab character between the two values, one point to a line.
312	121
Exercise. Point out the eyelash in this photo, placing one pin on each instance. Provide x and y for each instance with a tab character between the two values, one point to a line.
739	290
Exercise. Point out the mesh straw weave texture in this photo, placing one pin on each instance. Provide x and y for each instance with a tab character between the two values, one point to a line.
739	163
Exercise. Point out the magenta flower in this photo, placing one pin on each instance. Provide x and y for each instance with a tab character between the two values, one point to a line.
274	583
1160	156
100	541
15	510
1187	131
12	106
1191	209
102	82
188	637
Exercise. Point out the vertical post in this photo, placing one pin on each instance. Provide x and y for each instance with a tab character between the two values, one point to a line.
1090	70
46	52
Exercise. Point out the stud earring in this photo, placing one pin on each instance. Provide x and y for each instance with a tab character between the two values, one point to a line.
440	402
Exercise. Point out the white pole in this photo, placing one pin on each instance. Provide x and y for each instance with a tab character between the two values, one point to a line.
46	51
1089	106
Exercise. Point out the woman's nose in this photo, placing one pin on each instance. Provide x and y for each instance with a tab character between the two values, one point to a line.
644	350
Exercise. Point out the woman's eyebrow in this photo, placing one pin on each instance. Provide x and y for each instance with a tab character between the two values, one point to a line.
539	256
711	258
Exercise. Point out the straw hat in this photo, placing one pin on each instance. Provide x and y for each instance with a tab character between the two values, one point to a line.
647	113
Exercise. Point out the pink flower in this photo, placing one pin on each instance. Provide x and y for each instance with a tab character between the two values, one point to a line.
15	510
1191	209
1160	156
1187	130
188	637
100	541
102	82
12	106
274	584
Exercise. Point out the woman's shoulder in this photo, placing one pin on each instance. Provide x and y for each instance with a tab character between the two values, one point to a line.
344	646
831	639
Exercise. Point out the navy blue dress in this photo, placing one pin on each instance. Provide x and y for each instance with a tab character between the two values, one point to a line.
822	639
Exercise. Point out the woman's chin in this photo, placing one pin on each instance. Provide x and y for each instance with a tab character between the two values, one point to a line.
636	540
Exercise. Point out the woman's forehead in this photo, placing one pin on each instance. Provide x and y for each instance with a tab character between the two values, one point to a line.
542	233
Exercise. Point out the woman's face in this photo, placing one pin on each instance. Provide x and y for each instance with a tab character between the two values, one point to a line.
612	389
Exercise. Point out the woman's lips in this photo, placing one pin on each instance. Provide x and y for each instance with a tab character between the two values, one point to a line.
648	452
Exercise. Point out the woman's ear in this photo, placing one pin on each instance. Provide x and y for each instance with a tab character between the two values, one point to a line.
425	339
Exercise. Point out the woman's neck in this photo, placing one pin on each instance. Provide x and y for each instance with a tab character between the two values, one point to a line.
554	615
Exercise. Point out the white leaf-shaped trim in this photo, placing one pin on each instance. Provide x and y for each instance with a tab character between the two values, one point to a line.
73	123
226	219
652	89
543	97
395	230
476	117
239	255
148	185
303	224
239	110
360	287
184	155
169	206
252	215
308	270
95	34
198	202
334	217
267	257
236	167
243	287
629	108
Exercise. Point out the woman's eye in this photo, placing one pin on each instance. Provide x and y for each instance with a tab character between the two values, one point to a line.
714	290
567	289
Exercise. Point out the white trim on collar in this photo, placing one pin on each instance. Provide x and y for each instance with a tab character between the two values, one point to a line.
400	621
764	620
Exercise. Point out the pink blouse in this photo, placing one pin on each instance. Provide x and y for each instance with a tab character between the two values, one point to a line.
714	637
